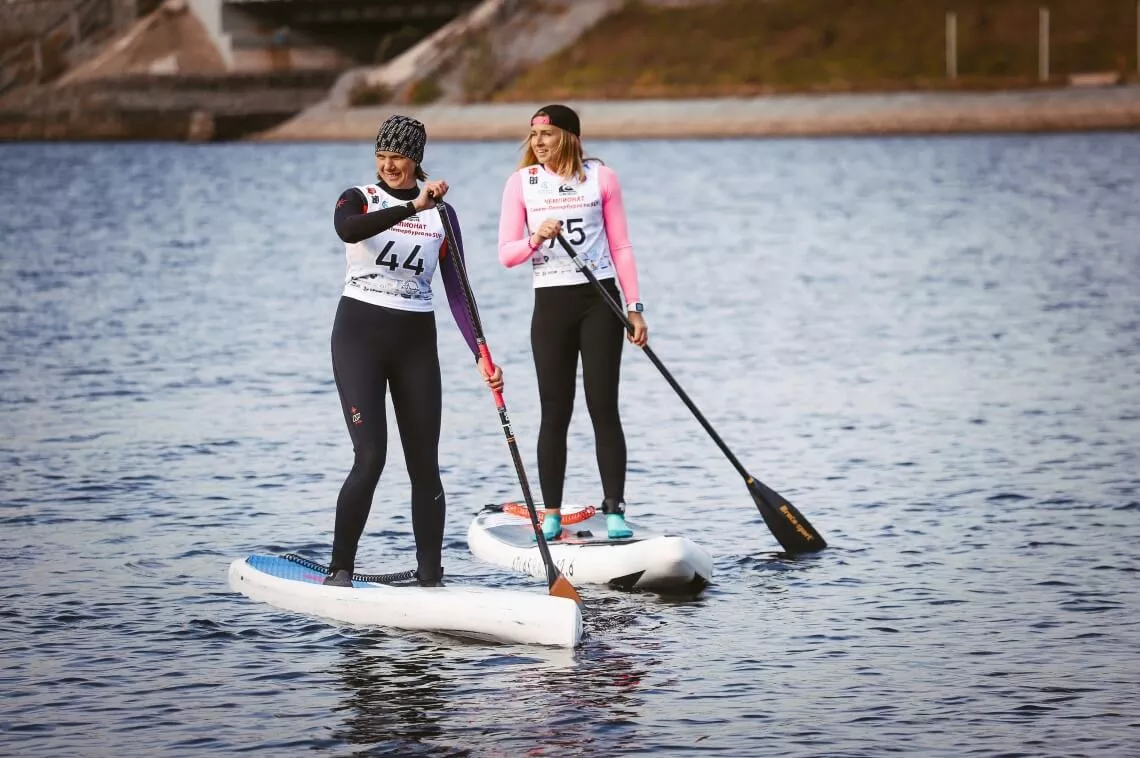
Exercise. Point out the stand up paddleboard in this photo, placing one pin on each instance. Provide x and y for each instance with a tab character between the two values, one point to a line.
498	615
502	535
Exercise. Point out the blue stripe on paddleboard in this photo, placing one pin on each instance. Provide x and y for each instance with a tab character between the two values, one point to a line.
284	569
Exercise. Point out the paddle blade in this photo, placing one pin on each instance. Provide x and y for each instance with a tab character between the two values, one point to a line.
561	587
794	533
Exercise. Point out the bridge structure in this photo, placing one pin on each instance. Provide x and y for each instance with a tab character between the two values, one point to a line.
291	34
42	39
195	69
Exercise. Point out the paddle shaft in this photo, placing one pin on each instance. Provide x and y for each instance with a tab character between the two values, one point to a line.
616	308
552	572
505	420
786	523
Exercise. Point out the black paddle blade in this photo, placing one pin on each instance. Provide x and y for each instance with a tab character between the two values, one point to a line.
794	533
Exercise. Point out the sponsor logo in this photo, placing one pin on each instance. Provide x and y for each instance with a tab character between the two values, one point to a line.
533	171
566	189
795	522
535	566
357	417
534	180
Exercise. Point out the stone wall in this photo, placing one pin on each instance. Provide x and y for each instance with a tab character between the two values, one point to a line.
41	40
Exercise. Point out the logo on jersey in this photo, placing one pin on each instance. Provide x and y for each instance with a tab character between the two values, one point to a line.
357	418
566	189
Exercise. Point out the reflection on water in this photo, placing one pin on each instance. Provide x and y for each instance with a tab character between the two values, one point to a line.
393	704
423	699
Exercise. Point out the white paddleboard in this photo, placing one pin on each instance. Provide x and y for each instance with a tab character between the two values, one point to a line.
483	613
501	535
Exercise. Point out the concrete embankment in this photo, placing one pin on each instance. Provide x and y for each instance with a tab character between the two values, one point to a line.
1038	110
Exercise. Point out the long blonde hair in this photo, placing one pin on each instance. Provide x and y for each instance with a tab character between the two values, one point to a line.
569	158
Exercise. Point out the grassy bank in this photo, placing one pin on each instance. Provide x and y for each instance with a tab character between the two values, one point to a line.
750	47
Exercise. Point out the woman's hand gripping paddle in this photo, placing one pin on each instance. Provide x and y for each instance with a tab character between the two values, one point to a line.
559	585
786	523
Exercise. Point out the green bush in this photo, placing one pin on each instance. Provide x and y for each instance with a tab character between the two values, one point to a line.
364	94
424	91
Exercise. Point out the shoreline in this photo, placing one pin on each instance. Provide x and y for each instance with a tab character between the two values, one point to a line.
1036	110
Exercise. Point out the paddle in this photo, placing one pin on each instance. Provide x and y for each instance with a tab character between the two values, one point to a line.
559	585
786	523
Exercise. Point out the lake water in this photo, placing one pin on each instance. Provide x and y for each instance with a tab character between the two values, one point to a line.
930	346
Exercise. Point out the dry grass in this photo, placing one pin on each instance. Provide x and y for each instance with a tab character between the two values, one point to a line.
744	47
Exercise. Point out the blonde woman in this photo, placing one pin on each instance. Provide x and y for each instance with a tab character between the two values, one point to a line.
557	190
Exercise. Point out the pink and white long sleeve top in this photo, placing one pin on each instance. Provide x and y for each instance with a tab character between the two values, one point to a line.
593	221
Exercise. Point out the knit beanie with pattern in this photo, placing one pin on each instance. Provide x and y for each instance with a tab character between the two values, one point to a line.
404	135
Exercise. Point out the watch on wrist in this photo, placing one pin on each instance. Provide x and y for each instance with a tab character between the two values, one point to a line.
635	306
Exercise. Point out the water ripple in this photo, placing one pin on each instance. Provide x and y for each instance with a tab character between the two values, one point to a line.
929	345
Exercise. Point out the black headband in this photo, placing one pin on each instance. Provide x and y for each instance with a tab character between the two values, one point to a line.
560	116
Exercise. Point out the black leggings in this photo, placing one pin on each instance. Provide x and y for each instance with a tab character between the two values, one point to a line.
374	349
567	321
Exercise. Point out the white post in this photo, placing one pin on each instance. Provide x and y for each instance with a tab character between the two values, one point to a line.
952	44
1043	45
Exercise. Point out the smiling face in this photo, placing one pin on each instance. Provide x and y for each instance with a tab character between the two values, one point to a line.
395	170
544	141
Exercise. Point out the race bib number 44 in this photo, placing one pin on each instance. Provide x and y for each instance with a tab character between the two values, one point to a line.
413	261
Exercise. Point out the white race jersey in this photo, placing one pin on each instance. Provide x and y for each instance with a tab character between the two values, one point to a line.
394	269
578	205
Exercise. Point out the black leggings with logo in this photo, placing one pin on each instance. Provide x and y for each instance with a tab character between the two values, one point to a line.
374	350
569	321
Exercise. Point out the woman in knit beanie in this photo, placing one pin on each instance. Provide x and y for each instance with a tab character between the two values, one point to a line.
384	337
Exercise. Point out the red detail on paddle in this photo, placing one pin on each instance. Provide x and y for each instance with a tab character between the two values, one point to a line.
485	354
